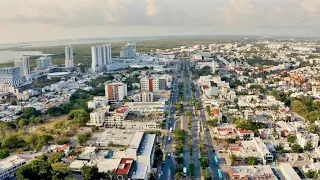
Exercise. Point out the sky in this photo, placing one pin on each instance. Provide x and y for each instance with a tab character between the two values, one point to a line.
37	20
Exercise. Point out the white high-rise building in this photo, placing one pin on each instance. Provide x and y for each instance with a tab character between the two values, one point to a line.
44	62
128	51
69	57
101	56
24	65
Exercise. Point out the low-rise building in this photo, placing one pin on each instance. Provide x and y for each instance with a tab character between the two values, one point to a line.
146	97
98	101
245	135
252	172
304	138
10	165
288	172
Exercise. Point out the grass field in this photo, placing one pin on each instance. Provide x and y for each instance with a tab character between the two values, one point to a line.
82	52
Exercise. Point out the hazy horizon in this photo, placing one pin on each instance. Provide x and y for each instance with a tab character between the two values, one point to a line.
45	20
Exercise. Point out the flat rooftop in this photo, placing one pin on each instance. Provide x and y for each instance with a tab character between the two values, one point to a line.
136	140
146	146
141	171
253	172
113	136
9	162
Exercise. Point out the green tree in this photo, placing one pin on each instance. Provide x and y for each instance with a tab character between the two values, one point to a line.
81	116
60	170
312	174
43	140
91	172
291	139
299	107
82	138
296	148
12	141
4	153
178	175
212	123
206	174
35	170
252	160
22	123
308	146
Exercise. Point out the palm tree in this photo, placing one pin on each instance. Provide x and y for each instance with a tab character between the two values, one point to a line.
206	174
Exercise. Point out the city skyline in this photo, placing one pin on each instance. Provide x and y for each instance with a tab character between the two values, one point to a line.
44	20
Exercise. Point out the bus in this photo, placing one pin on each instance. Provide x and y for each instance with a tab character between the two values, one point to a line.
220	174
216	160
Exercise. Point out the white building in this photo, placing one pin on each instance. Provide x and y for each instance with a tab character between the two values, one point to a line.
68	57
128	51
24	65
116	91
263	150
98	116
9	166
44	61
11	76
146	97
146	106
101	56
288	172
141	148
98	101
304	138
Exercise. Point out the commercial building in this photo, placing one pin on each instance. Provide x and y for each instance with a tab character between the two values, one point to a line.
9	166
152	84
101	56
44	62
125	118
146	107
68	57
142	149
11	76
146	97
252	172
288	172
24	65
128	51
304	138
116	91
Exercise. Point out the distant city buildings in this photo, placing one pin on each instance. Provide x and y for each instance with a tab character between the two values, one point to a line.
116	91
11	76
101	56
128	51
44	62
68	57
24	65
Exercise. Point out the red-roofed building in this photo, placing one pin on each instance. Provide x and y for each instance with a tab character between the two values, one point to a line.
245	135
124	169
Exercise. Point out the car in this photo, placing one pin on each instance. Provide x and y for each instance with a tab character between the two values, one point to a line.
170	122
169	155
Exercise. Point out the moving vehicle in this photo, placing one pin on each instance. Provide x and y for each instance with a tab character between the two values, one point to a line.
171	129
220	174
169	138
184	171
216	160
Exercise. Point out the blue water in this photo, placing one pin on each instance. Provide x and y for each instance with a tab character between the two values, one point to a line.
109	155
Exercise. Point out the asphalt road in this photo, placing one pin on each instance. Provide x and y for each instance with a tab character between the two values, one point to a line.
208	139
168	170
195	129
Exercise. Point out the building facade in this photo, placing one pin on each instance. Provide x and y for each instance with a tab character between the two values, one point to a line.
24	64
44	62
116	91
68	57
11	76
152	84
146	97
128	51
101	56
10	165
